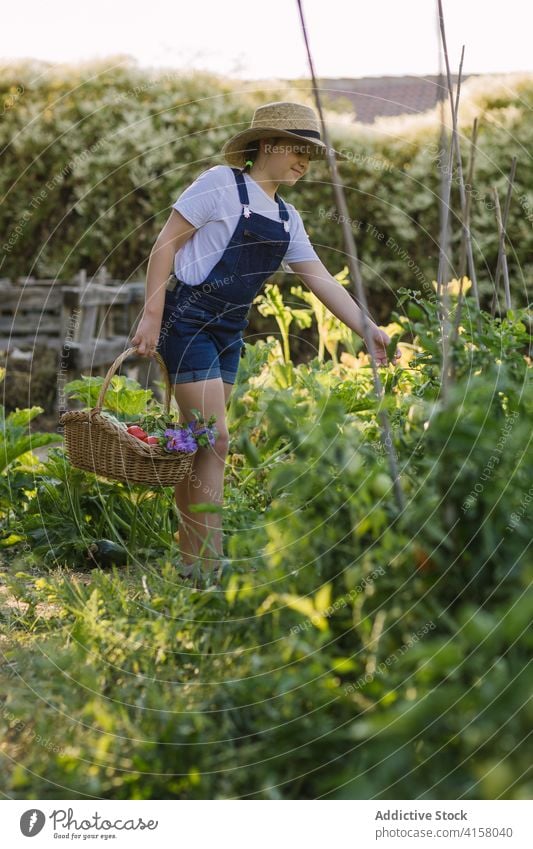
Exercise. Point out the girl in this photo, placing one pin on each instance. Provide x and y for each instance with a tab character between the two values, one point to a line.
226	234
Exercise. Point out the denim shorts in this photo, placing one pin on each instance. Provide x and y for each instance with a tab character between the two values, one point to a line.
198	341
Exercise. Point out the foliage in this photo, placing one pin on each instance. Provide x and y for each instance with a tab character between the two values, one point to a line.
103	173
18	461
369	645
270	302
124	397
70	509
331	330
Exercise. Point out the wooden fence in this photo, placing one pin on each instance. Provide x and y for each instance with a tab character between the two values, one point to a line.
92	317
88	321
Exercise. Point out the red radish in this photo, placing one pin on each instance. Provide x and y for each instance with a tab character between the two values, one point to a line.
152	440
137	431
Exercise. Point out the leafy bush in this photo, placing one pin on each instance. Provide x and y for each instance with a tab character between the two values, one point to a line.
375	652
106	175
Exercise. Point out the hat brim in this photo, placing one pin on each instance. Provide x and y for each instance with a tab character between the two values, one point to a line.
234	149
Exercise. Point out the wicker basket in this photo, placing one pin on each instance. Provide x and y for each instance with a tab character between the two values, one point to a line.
98	445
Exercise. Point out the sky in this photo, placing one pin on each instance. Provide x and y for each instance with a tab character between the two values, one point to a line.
258	40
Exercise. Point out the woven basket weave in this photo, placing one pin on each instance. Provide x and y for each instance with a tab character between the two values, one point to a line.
98	445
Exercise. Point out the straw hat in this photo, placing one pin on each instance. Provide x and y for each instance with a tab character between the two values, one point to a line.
289	120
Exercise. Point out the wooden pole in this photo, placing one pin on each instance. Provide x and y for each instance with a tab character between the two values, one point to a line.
457	147
466	234
462	255
454	147
444	227
469	180
355	273
502	256
502	229
442	287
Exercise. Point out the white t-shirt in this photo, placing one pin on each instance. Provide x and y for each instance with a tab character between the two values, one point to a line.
212	204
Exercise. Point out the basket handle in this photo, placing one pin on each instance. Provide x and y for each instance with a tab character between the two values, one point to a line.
118	362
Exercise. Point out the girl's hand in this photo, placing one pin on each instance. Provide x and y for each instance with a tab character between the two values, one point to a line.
381	340
147	336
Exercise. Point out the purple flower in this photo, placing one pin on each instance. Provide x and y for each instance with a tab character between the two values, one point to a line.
203	434
180	440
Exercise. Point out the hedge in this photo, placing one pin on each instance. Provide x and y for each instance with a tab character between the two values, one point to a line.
94	156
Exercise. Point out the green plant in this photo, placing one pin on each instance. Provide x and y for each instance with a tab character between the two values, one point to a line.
72	509
270	302
18	462
331	330
369	644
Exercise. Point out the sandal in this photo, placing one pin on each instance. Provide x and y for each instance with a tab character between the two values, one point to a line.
191	575
186	571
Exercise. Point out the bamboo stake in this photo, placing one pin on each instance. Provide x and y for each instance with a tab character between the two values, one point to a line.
469	179
448	180
502	258
462	256
444	219
355	273
502	253
454	146
466	234
457	147
444	228
442	287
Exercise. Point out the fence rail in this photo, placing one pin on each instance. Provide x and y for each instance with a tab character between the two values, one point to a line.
87	319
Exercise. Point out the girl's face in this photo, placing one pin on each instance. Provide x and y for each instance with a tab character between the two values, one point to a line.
286	160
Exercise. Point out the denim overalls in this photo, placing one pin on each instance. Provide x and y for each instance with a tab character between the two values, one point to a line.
202	326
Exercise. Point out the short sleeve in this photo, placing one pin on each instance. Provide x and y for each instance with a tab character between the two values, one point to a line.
300	248
198	203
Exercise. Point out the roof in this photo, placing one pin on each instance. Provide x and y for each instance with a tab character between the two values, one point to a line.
372	97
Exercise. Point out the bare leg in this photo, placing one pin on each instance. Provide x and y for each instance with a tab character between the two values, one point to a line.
201	533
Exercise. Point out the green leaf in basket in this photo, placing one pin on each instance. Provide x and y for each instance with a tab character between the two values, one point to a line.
125	396
85	389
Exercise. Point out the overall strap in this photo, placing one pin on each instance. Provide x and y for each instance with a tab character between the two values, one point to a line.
283	213
243	191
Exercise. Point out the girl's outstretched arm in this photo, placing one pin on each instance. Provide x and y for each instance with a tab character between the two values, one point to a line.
317	278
